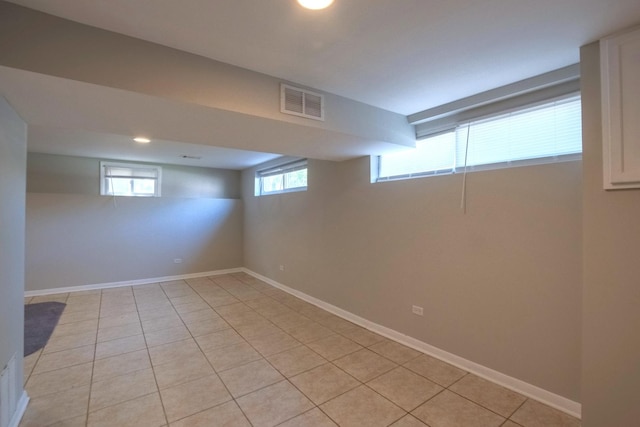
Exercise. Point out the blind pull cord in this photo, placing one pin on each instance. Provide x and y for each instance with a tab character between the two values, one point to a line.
463	198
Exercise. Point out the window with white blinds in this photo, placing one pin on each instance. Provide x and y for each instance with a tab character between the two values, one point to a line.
542	133
283	178
130	179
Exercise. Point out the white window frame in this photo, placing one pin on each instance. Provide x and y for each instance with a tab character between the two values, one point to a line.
281	169
104	189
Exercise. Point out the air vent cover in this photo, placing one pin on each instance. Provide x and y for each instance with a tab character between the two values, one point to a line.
301	102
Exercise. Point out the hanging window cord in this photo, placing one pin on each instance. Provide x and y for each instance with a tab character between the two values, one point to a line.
463	197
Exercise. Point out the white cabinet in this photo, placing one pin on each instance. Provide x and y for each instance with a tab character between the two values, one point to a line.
620	74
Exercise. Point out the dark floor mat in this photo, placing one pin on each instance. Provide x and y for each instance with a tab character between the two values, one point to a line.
39	321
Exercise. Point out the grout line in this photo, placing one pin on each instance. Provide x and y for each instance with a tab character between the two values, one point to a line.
93	362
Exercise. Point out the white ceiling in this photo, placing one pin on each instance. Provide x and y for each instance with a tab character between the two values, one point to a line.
400	55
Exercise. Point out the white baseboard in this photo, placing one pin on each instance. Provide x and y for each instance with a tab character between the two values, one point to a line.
20	410
129	282
548	398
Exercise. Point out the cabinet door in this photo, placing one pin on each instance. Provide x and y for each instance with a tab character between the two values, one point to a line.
620	74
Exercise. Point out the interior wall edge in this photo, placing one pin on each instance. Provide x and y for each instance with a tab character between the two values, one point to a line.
20	410
553	400
95	286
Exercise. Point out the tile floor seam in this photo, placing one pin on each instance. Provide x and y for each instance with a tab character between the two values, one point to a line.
517	409
93	364
155	378
478	403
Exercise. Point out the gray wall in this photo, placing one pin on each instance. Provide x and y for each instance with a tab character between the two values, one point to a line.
500	286
49	173
611	297
76	237
13	154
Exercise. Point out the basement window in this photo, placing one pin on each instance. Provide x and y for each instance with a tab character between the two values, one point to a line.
285	178
543	133
130	179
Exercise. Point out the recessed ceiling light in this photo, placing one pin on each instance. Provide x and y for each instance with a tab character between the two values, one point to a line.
142	140
315	4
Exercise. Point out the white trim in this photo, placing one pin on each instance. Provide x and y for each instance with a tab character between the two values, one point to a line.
129	282
20	410
548	398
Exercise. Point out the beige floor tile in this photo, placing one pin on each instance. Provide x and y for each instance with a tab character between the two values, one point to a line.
120	365
244	318
309	331
117	309
27	300
336	323
198	315
395	351
250	377
49	409
149	315
120	346
75	308
65	358
408	421
59	380
362	407
190	398
312	418
510	423
535	414
116	332
70	341
118	290
119	320
405	388
362	336
487	394
365	365
295	361
450	410
165	336
191	307
253	330
274	343
324	383
186	299
274	404
183	370
153	303
121	389
145	411
237	307
159	323
75	299
80	421
207	326
29	362
436	370
75	328
219	301
49	298
225	415
290	320
232	356
219	339
173	351
78	316
85	293
334	347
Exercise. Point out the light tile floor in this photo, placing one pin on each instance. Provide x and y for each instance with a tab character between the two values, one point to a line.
231	350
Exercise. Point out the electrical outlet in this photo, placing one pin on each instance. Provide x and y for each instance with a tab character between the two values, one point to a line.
281	267
417	310
177	260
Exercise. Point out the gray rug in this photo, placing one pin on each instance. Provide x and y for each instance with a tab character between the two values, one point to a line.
39	321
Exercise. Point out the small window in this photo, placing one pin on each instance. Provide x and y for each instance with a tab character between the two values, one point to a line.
544	133
130	179
282	178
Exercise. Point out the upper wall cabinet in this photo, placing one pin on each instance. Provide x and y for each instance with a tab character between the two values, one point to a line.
620	74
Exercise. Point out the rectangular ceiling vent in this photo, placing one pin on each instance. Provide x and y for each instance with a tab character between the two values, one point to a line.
301	102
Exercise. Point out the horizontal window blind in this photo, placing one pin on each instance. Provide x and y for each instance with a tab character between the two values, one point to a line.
119	179
283	178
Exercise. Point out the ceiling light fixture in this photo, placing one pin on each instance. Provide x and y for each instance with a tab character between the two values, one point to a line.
142	140
315	4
